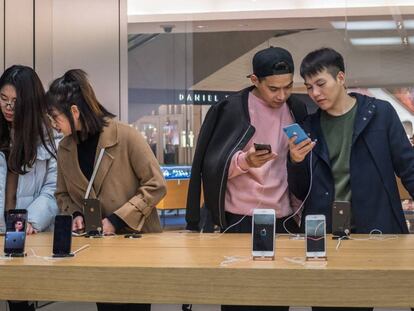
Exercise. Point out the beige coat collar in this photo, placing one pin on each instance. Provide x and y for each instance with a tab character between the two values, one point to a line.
108	139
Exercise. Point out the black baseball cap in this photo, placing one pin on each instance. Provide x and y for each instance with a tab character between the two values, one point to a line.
272	61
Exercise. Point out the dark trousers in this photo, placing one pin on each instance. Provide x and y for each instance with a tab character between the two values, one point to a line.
20	306
123	306
245	226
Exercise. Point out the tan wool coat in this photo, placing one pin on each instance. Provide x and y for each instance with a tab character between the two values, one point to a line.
128	183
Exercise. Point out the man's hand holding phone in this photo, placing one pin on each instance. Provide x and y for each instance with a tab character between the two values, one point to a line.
299	151
299	143
257	158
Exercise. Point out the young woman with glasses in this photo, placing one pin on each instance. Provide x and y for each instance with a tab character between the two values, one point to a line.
27	153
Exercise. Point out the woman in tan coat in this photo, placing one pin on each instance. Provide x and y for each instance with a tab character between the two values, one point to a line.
128	183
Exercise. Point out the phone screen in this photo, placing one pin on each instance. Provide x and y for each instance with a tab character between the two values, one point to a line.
62	235
263	147
263	232
15	231
315	235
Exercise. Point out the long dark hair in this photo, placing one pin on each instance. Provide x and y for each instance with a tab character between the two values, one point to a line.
30	122
73	88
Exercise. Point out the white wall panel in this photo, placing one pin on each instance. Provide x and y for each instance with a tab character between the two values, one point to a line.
18	32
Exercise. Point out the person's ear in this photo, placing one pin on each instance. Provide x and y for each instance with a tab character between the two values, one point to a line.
255	80
340	77
75	112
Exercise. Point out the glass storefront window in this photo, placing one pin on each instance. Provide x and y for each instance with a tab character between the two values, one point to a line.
175	76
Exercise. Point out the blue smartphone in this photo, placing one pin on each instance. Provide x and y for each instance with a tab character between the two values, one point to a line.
295	130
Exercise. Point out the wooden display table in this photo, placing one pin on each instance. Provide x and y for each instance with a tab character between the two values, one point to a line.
192	268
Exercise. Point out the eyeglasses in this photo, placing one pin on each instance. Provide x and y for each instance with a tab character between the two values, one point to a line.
52	119
11	103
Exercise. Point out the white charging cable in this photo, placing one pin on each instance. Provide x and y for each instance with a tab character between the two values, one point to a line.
233	259
307	264
304	200
374	235
6	257
81	249
58	258
340	241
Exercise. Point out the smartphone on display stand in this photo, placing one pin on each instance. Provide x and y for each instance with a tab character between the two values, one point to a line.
15	237
295	130
62	236
93	217
263	233
315	232
341	219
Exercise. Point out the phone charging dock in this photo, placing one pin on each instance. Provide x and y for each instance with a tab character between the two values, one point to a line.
16	255
296	237
267	258
63	255
324	258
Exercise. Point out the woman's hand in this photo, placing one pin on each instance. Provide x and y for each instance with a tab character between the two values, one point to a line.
78	224
30	229
108	227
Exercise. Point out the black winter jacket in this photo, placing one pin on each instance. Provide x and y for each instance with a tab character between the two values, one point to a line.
380	150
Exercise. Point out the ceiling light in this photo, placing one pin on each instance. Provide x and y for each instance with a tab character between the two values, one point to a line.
365	25
376	41
201	26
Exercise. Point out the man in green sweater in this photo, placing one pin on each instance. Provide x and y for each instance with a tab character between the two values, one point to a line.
357	145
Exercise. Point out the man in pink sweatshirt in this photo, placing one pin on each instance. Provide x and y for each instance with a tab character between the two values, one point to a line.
258	178
237	178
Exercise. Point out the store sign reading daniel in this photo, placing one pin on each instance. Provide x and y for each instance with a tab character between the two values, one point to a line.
201	97
162	96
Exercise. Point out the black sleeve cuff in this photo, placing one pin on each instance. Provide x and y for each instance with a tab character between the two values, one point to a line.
117	222
294	164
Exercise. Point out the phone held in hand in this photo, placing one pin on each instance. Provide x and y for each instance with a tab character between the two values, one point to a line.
263	147
295	130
